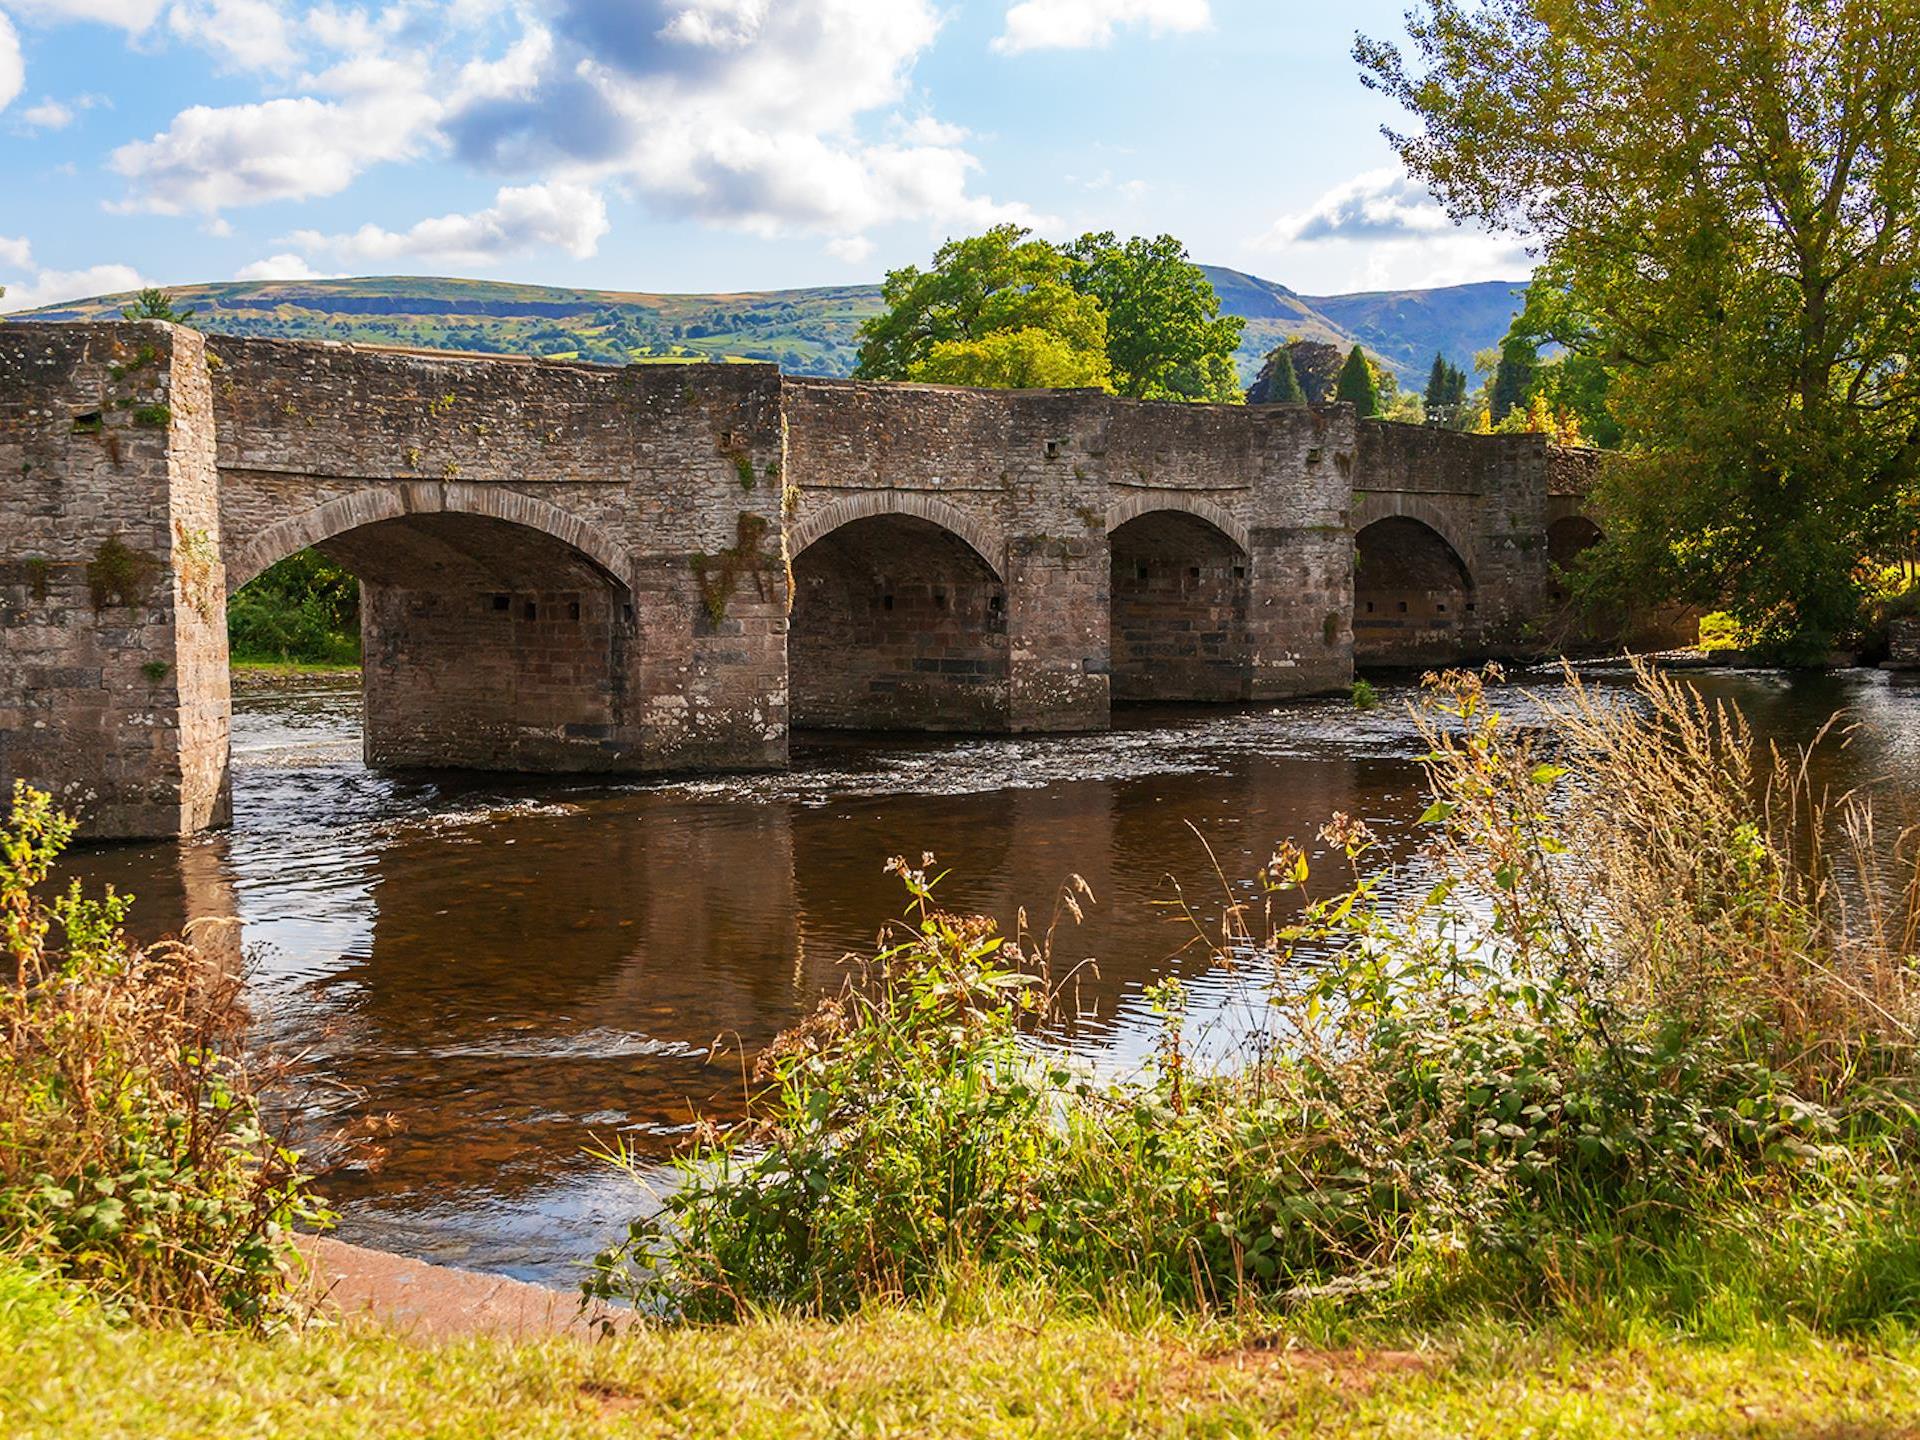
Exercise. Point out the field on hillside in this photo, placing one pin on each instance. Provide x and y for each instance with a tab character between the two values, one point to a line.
805	332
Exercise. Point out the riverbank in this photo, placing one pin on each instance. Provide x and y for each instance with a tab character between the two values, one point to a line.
1007	1370
289	675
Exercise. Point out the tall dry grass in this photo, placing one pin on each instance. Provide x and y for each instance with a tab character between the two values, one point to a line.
133	1153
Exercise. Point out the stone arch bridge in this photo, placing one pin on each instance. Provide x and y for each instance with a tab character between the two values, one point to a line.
578	568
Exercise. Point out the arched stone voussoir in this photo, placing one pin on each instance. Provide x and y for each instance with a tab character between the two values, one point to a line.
371	506
866	504
1151	501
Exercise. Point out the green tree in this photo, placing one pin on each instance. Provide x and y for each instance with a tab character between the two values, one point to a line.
1729	191
1435	396
156	304
1278	383
979	287
1357	384
1166	337
1513	376
1576	381
1317	364
1029	359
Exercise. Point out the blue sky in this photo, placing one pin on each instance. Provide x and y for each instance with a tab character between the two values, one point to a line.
694	145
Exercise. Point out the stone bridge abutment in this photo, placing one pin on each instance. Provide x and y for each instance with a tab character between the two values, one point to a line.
574	568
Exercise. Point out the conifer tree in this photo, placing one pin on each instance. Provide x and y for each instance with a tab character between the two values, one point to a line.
1435	396
1512	377
1283	383
1356	384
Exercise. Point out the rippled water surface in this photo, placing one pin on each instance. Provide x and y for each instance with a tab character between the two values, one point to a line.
521	971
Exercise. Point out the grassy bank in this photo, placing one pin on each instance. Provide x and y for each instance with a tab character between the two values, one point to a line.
291	674
66	1371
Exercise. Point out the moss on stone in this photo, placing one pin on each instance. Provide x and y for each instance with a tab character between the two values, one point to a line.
719	574
121	575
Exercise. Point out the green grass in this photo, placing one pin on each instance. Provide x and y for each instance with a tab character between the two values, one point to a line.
66	1370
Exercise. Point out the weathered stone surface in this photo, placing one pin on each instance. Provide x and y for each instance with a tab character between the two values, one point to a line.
572	568
113	670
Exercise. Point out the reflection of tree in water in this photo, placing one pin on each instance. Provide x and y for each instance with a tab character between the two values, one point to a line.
529	972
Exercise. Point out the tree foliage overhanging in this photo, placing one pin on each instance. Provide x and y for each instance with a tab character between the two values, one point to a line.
1004	309
1726	197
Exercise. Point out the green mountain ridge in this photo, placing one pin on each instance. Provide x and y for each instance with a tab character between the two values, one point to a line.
811	331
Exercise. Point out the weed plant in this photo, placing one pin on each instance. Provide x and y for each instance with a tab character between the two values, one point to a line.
1645	1051
133	1155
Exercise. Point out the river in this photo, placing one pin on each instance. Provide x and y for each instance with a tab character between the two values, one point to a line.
521	972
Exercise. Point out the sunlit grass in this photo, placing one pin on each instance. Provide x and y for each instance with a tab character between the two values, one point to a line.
997	1368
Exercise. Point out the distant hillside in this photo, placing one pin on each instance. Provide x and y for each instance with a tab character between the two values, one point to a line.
805	332
1405	327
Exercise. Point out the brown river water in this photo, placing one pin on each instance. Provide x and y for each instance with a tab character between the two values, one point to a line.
522	971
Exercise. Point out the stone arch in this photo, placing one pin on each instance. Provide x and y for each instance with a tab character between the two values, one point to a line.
1414	598
899	622
1222	519
395	502
866	504
1178	596
1378	506
1571	534
1568	538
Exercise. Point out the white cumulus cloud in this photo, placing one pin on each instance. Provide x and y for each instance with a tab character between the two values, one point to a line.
49	114
522	220
133	16
242	34
744	113
1398	236
280	267
13	69
49	287
1084	24
210	158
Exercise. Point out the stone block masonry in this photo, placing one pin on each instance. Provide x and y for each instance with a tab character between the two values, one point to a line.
576	568
113	643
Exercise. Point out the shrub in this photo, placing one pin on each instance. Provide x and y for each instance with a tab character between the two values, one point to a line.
1720	632
1365	697
133	1155
1636	1017
303	609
